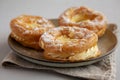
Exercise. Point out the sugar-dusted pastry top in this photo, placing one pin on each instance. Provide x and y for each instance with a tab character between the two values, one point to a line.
31	23
27	29
84	17
68	38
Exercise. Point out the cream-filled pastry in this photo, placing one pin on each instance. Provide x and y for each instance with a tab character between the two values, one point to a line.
69	44
84	17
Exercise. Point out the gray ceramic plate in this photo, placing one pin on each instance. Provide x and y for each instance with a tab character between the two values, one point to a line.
106	44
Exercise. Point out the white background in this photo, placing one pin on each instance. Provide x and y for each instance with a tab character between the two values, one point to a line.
49	9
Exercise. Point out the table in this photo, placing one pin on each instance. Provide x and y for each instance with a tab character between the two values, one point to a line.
49	9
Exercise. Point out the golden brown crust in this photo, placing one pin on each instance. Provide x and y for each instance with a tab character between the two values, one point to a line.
27	29
26	43
84	17
67	40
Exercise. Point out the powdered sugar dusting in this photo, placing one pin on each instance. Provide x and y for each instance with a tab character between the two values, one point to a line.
65	18
46	25
17	25
19	21
40	21
47	37
89	35
99	20
79	37
26	32
36	28
45	20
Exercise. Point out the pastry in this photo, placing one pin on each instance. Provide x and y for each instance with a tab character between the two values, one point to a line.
69	44
84	17
27	29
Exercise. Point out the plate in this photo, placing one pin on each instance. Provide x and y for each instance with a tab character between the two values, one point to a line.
106	44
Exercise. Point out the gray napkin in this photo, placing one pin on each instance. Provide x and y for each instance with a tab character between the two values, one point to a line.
103	70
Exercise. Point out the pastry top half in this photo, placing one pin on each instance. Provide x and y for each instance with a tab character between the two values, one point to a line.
27	29
69	44
84	17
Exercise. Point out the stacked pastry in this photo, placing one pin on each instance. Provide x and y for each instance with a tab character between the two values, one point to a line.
74	40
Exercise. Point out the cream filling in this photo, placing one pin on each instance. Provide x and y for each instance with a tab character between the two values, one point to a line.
91	52
79	18
63	39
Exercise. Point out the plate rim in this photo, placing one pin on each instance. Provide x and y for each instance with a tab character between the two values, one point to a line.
58	62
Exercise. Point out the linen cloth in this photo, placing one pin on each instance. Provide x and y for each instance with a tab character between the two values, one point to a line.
102	70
